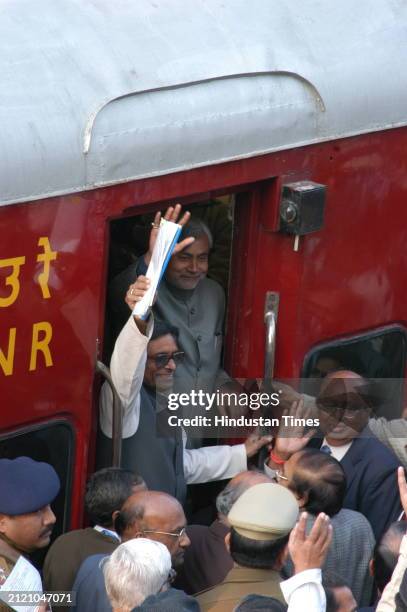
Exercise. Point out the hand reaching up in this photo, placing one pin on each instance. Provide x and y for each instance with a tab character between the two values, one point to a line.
172	213
309	551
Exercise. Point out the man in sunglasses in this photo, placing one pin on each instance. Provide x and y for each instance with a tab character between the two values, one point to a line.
143	364
344	406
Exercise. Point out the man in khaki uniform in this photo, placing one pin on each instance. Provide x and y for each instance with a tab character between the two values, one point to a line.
264	528
261	521
27	488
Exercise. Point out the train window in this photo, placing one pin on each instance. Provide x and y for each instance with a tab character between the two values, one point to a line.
379	355
129	240
54	444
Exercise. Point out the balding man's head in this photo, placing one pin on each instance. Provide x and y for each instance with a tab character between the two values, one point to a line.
317	481
344	403
349	379
233	490
157	516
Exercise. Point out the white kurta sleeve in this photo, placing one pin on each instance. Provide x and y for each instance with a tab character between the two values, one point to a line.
304	591
213	463
127	370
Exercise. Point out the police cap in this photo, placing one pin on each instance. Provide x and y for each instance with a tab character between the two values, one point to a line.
266	511
26	485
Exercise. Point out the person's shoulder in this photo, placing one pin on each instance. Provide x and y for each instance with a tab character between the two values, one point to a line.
89	566
68	538
353	518
198	530
67	541
387	457
172	599
372	446
208	286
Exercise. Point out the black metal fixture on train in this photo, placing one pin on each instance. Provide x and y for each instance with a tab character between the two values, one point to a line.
302	207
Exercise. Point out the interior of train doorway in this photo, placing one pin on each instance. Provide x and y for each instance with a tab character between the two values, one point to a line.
129	240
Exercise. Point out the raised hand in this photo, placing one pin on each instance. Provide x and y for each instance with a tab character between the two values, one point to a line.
309	552
255	442
136	291
294	437
172	213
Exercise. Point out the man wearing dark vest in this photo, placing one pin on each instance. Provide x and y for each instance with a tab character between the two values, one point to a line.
27	488
142	367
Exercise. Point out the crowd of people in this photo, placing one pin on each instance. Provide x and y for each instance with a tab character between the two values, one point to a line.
317	524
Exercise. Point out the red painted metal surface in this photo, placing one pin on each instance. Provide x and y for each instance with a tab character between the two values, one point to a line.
345	279
348	277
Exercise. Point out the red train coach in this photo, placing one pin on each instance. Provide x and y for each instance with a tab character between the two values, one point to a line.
112	110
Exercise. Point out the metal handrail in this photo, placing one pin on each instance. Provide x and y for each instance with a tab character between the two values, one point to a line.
270	319
117	417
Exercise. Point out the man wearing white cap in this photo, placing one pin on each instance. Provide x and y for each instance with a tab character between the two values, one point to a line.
262	519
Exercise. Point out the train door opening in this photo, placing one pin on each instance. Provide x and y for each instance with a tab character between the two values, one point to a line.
129	239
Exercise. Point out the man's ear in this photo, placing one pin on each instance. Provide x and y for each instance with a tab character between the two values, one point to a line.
371	567
302	499
227	541
114	516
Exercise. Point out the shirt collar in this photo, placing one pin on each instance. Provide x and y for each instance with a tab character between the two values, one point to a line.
250	574
107	532
338	452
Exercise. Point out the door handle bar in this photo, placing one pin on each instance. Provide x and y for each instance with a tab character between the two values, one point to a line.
117	417
270	319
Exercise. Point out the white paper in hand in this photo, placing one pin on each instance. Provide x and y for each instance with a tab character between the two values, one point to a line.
164	245
23	578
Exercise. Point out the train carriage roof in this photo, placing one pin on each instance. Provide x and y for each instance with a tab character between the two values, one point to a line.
98	92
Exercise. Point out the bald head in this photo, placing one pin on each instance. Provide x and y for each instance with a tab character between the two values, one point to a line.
156	516
349	380
234	489
145	509
344	401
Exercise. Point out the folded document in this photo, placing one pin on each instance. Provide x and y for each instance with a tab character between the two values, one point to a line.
167	238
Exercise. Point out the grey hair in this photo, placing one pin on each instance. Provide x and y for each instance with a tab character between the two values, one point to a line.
232	492
229	495
136	569
195	228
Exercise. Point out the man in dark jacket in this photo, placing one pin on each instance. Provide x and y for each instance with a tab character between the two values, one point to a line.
344	405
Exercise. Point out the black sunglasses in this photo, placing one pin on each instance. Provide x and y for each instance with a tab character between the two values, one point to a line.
162	359
351	403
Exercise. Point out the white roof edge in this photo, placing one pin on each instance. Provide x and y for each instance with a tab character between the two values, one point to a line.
162	86
73	190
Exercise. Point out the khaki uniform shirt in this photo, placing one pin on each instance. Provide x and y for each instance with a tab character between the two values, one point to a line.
239	582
